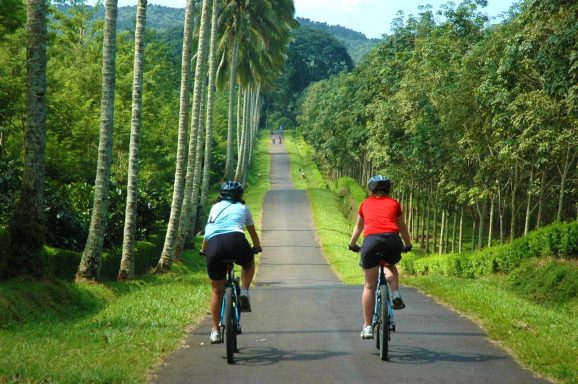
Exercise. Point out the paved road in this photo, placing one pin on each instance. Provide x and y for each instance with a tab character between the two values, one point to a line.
305	324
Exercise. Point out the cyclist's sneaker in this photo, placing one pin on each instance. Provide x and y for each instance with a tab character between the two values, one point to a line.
244	303
216	337
396	301
367	332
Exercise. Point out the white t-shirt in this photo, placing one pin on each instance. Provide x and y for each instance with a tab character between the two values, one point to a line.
226	217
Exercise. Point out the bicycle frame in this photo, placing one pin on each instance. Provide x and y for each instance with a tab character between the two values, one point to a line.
381	280
232	282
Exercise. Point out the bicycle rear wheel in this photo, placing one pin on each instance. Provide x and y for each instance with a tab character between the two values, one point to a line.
230	331
383	336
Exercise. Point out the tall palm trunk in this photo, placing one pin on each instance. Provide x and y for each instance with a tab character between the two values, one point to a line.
210	104
91	257
127	261
179	183
28	227
232	81
189	203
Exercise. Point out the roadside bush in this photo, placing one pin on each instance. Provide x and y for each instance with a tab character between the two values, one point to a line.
557	241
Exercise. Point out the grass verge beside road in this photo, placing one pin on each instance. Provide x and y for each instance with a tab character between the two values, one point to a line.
544	340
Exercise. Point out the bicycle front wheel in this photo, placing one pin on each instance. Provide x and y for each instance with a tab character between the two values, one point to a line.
230	331
384	320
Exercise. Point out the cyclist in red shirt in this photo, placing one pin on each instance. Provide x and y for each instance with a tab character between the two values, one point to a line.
381	221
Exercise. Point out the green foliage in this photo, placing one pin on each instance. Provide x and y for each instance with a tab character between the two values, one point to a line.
557	241
12	16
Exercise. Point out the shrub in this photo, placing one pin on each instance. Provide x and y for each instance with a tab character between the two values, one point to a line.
557	241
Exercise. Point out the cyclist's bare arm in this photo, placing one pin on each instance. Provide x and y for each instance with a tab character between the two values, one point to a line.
356	231
403	231
254	236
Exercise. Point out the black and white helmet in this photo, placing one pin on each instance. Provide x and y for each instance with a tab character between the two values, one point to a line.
231	190
379	183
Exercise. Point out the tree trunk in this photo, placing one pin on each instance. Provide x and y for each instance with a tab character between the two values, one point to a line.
232	81
563	176
427	231
210	103
491	223
179	183
91	257
454	230
28	226
166	263
442	231
541	199
513	204
127	261
482	223
461	239
528	203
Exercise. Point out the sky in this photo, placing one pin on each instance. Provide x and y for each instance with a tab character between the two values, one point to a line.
371	17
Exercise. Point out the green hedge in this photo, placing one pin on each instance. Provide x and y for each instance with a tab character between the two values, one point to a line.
557	241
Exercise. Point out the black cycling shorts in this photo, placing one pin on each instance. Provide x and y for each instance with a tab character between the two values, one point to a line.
385	246
227	246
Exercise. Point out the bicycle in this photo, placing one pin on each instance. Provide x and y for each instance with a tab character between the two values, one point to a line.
230	322
383	322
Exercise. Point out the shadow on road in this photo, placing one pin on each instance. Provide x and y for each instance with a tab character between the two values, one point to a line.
416	355
270	355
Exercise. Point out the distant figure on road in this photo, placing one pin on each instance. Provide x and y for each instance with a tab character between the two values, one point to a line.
225	238
381	220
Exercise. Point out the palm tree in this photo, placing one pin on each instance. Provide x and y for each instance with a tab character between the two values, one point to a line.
28	227
255	37
91	257
127	262
210	103
179	184
186	211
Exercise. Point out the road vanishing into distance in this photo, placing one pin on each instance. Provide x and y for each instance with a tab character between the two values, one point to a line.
305	324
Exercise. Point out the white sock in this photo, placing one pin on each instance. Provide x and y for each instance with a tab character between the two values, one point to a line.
244	292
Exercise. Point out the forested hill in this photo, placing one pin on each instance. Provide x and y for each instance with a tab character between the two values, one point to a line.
165	18
356	43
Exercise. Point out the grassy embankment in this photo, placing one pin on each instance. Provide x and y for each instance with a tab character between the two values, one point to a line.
111	332
543	338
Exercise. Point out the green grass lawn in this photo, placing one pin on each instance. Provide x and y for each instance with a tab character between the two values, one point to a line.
542	339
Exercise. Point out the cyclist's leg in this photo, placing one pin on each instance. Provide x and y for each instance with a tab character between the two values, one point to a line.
217	271
368	296
218	289
245	258
392	276
370	264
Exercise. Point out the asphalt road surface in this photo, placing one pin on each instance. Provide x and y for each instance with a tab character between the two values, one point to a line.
305	324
